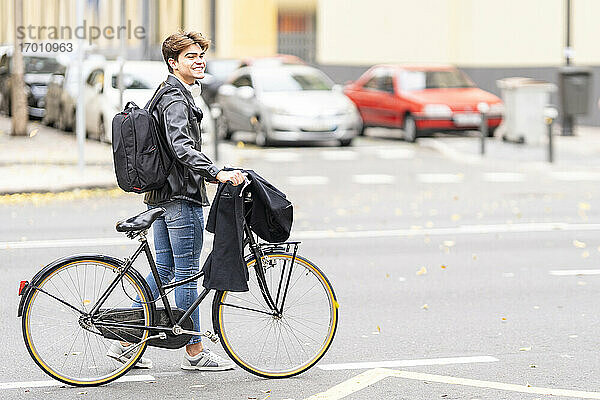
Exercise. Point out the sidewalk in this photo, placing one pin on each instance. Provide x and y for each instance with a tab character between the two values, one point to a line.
570	152
47	161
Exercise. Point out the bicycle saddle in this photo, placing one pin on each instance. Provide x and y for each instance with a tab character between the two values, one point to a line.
140	221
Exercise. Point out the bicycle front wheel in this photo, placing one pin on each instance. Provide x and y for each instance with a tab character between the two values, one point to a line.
281	345
62	336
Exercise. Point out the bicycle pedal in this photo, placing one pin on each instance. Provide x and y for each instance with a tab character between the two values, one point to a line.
213	337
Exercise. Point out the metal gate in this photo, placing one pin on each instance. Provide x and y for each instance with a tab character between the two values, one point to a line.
297	35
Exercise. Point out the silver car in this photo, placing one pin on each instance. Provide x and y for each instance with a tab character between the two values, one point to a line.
284	104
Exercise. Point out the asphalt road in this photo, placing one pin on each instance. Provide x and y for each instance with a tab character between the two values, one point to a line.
434	261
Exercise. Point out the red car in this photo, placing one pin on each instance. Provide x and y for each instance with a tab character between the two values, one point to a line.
422	99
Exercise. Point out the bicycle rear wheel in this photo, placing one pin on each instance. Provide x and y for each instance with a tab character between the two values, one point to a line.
278	346
62	336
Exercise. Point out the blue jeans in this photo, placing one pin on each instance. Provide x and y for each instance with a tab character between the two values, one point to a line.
178	243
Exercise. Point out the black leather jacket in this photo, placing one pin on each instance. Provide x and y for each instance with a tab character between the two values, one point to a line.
180	120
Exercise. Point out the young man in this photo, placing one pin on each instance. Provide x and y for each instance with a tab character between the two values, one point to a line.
178	233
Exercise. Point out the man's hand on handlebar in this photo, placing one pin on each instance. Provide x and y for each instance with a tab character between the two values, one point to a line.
236	177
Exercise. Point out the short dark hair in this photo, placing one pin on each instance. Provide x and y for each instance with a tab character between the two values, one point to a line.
174	44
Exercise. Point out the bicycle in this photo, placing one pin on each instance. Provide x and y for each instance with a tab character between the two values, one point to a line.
76	306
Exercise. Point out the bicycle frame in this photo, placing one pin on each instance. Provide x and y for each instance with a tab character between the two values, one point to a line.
257	252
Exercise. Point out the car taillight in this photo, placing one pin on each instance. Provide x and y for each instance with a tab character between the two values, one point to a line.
22	286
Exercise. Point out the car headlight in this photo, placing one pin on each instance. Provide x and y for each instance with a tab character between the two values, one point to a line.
497	108
437	110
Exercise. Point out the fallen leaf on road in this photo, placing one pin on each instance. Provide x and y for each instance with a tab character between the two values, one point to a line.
584	206
503	319
455	217
585	254
422	271
525	348
578	244
33	132
443	267
532	366
425	306
387	275
474	256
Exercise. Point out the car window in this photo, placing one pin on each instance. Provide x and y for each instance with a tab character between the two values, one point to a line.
292	80
243	80
386	84
40	65
382	80
421	80
131	82
372	83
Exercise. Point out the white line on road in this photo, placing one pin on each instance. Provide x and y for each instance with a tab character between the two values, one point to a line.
575	176
373	376
395	154
574	272
308	180
280	156
464	229
374	179
408	363
440	178
34	384
339	155
503	177
330	234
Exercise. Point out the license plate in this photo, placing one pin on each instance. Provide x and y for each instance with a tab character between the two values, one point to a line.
467	119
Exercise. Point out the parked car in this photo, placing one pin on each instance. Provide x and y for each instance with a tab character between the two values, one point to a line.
63	91
102	99
38	71
286	103
140	78
218	71
422	99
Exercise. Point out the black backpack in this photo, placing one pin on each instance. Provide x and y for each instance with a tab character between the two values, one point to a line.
140	154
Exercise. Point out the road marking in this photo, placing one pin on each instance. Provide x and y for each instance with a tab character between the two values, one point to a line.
373	179
503	177
339	155
330	234
440	178
280	156
308	180
573	272
464	229
34	384
576	176
352	385
407	363
373	376
395	154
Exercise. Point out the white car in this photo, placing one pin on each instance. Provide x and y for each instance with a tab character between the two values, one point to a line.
140	80
285	104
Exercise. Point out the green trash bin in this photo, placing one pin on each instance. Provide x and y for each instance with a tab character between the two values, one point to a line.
574	86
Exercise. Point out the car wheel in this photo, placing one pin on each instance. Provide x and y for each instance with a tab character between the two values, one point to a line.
223	131
345	142
410	129
262	140
491	132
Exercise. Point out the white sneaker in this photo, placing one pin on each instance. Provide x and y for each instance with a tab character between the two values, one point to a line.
206	361
117	352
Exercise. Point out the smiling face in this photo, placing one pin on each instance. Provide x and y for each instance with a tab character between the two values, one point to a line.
190	64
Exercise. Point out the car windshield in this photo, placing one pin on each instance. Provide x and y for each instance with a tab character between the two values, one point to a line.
40	65
420	80
222	69
285	80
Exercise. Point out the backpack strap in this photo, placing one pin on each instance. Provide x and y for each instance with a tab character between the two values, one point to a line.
157	95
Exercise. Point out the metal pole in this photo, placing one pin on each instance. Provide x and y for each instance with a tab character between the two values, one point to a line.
213	24
549	123
567	119
80	113
484	130
122	55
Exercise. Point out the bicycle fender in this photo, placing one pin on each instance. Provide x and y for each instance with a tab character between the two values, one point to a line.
41	274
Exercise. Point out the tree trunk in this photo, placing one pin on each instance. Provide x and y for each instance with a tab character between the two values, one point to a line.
19	101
